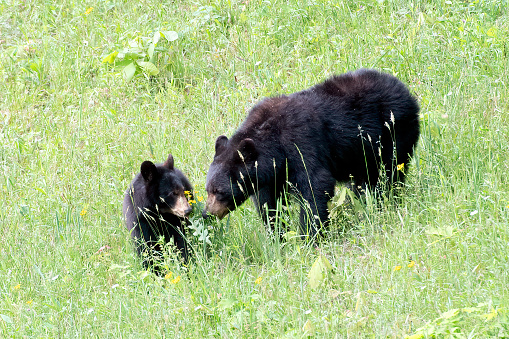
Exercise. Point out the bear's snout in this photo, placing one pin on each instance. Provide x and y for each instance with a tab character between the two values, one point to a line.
188	211
182	208
214	207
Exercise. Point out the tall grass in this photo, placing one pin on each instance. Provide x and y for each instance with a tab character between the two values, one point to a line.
73	134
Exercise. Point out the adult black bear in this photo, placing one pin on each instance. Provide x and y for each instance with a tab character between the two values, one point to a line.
155	205
354	126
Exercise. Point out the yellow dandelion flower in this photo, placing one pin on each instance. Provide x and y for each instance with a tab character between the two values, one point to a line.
89	10
176	280
401	167
29	302
411	264
83	212
200	199
168	275
192	202
397	268
258	280
507	206
187	192
17	287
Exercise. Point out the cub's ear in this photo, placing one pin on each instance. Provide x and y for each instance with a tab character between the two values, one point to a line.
148	171
169	162
247	150
221	143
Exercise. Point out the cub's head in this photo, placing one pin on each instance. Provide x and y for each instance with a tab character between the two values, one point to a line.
231	177
165	188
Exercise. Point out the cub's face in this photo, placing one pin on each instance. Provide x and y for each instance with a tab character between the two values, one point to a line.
165	188
172	196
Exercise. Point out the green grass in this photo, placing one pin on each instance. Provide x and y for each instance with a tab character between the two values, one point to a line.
73	134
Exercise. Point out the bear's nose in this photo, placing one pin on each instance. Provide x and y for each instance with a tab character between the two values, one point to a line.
205	214
188	211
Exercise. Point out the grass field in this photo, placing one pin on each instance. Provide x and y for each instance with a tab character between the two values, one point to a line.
75	129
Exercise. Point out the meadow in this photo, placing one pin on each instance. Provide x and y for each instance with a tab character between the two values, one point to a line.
89	90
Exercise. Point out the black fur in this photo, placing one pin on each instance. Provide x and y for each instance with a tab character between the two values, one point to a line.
338	130
146	208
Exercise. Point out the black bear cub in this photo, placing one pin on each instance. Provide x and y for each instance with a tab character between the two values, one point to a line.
356	127
155	205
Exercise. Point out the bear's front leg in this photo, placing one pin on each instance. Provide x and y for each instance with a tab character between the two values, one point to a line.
316	193
265	201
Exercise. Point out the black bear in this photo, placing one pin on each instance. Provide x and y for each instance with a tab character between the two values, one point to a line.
155	205
356	127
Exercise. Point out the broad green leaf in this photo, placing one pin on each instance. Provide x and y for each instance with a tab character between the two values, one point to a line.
6	318
342	196
414	336
492	32
226	303
110	58
450	313
308	327
490	315
148	67
319	271
34	67
170	35
123	63
129	71
151	52
143	274
134	43
157	36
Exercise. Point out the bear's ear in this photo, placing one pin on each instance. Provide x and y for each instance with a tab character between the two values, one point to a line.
247	150
148	171
169	162
221	143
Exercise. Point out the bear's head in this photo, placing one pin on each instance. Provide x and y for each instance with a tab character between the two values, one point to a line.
164	188
231	178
